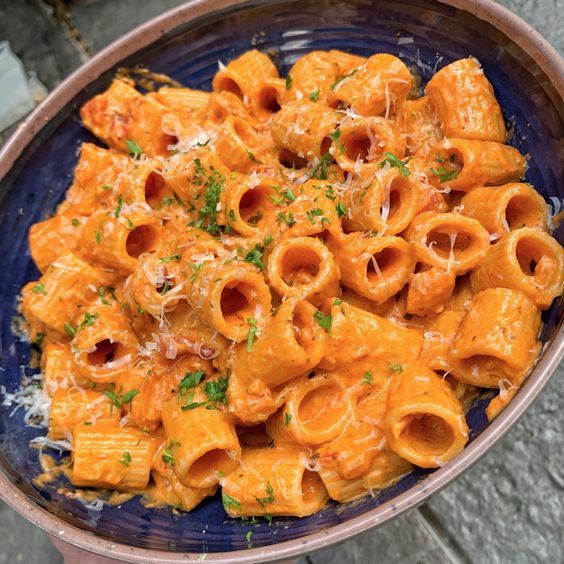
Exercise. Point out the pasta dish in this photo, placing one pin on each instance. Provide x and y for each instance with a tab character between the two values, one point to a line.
288	288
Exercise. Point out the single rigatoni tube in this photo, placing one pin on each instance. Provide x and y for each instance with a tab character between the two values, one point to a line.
104	343
365	141
463	164
317	411
304	128
377	88
290	343
73	406
497	339
505	208
424	421
303	267
448	241
228	295
106	455
374	267
466	103
527	259
202	443
273	481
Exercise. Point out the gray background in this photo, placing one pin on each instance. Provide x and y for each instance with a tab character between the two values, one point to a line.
508	508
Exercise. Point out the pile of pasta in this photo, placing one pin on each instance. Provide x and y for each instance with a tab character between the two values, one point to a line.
289	288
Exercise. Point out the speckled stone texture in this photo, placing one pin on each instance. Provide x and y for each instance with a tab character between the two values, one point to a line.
509	508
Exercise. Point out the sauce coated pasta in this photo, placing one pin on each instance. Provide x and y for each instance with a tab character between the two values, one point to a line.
288	289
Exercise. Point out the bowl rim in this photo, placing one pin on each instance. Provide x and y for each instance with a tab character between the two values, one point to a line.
551	63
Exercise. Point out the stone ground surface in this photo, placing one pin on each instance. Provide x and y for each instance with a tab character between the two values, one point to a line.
509	508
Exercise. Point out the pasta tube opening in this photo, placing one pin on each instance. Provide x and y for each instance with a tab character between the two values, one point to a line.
142	239
537	260
288	159
224	83
521	211
429	434
217	461
311	486
155	189
486	370
267	99
255	204
321	410
383	264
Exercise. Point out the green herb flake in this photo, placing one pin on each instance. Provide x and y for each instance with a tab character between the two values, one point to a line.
125	458
335	137
314	95
287	218
341	210
118	400
321	169
134	149
395	367
167	456
98	237
216	392
39	289
70	330
213	182
337	301
393	161
75	222
287	419
253	330
169	258
251	156
289	81
248	538
102	294
39	339
117	211
367	378
195	269
324	321
230	502
443	174
262	501
312	214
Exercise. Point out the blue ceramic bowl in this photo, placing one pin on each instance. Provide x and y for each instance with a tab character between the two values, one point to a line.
36	168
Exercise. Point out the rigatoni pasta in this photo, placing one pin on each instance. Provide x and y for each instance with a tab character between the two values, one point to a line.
287	288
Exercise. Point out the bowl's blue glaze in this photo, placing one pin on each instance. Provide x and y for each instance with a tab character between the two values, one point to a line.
38	181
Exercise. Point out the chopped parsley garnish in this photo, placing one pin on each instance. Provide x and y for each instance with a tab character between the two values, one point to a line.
102	294
324	321
88	320
262	501
443	174
393	161
314	95
335	137
367	379
189	381
75	222
166	201
195	269
118	400
289	81
231	215
117	211
251	156
214	182
253	330
216	391
107	187
169	258
39	289
165	288
341	210
395	367
125	458
39	339
98	237
337	301
248	538
70	330
230	502
334	85
255	219
312	214
134	149
254	256
320	170
282	195
168	457
330	193
287	418
287	218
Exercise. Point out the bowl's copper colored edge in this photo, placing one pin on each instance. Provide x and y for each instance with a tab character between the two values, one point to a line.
487	10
